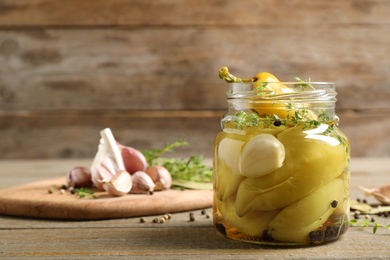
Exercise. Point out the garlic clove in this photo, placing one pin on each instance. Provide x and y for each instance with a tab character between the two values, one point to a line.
142	183
109	163
100	173
133	159
119	185
229	151
382	194
261	155
79	177
160	176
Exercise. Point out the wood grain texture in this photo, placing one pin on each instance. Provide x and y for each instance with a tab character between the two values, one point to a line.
129	69
190	12
70	68
177	238
187	242
32	200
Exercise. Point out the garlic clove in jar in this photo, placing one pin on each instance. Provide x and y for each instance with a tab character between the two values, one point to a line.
261	155
119	185
160	176
229	152
142	183
382	194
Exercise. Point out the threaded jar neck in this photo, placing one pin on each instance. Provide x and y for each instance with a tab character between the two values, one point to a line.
293	102
283	91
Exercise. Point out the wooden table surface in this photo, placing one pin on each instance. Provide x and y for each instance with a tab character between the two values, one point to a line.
177	238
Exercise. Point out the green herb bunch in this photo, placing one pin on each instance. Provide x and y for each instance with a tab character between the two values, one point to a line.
300	116
155	154
192	169
243	119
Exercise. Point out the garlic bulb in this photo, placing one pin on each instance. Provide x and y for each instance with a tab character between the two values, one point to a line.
108	160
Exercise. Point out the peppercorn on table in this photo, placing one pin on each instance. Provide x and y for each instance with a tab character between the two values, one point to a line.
184	235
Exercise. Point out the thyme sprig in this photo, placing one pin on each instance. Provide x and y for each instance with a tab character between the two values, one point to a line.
189	169
152	155
365	223
244	119
260	87
84	192
304	84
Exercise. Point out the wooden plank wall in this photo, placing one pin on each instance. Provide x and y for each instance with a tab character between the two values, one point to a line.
148	68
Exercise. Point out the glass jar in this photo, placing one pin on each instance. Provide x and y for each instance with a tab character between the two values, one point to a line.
281	165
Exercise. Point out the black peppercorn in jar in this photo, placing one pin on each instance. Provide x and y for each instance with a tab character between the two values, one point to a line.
281	164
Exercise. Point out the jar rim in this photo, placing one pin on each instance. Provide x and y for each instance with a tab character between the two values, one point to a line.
298	91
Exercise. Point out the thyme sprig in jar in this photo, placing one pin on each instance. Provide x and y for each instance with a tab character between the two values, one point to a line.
281	164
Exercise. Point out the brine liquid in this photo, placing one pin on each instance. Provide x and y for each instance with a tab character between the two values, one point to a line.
313	206
331	230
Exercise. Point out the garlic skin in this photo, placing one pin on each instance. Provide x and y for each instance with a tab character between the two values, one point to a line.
108	159
133	159
109	164
160	176
142	183
261	155
382	194
119	185
100	173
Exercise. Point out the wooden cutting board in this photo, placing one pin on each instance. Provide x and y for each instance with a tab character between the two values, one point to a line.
34	200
